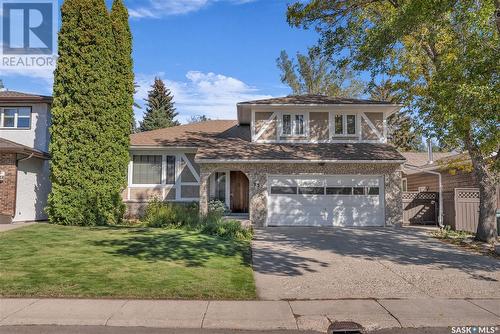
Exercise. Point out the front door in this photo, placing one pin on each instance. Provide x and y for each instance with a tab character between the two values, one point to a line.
239	192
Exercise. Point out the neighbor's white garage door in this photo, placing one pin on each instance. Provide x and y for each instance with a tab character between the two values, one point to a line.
334	200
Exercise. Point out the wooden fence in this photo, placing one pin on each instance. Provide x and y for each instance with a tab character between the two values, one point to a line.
466	209
420	208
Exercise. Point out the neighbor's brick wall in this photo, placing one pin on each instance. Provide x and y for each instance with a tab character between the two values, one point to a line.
257	176
8	186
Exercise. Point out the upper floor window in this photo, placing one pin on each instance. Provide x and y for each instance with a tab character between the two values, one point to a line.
15	117
345	125
293	125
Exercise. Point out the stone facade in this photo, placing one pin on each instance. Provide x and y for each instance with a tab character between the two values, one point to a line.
257	176
8	185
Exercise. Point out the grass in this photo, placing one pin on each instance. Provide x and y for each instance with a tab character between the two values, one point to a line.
61	261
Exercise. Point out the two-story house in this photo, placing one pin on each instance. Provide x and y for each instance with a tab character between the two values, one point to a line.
24	165
299	160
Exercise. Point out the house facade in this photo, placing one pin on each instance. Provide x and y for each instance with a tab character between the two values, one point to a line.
303	160
24	165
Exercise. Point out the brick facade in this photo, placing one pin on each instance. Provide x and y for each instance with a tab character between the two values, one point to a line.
8	186
257	176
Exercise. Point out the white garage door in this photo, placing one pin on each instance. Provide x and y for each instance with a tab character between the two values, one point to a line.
334	200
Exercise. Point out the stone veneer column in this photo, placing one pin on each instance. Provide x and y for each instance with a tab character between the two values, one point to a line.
204	177
258	197
393	199
8	186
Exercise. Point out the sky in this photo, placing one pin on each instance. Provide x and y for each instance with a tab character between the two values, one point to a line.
210	53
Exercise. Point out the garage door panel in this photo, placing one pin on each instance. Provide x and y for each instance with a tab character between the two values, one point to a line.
294	220
328	209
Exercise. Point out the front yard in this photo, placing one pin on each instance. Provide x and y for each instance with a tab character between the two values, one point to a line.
60	261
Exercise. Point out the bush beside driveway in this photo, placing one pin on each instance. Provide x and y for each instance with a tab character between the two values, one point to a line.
60	261
319	263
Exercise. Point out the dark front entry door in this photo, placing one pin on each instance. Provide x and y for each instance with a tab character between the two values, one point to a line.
239	192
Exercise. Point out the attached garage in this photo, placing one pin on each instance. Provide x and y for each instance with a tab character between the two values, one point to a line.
332	200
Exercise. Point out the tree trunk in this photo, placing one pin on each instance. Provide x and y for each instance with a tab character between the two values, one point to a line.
487	227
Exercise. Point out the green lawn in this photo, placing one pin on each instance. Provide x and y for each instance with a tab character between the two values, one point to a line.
59	261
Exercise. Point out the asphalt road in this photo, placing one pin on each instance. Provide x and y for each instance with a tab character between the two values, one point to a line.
142	330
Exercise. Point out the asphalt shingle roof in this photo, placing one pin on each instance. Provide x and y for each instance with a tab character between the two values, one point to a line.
226	140
314	99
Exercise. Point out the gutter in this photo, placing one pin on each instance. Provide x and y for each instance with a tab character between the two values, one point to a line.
216	161
441	213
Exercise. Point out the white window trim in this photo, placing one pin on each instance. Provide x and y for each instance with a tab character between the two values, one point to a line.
404	181
344	115
292	116
16	115
179	157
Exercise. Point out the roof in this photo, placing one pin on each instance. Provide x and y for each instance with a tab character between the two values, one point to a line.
421	159
229	142
7	146
313	99
189	135
239	151
13	96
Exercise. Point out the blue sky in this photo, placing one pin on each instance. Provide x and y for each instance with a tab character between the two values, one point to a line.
211	53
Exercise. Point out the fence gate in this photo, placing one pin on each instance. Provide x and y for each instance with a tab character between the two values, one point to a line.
466	209
420	208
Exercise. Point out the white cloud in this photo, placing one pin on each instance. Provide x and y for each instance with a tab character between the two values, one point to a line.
210	94
160	8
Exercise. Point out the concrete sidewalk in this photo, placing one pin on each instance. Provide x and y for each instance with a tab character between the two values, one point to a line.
251	315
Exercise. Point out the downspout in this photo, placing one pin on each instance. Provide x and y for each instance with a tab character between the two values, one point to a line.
441	213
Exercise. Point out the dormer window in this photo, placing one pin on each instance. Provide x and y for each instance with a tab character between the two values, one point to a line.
293	125
345	125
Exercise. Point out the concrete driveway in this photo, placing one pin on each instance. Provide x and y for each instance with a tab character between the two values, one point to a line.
319	263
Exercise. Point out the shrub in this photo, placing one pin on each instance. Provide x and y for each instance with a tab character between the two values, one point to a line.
170	215
217	207
226	229
159	214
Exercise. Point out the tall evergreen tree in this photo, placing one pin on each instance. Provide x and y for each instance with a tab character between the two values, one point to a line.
86	134
125	87
160	110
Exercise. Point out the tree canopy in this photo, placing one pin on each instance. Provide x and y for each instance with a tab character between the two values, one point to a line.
313	73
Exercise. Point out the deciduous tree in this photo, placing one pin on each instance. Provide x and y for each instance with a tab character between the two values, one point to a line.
313	73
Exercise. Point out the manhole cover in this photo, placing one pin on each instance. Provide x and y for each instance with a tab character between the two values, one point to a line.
347	327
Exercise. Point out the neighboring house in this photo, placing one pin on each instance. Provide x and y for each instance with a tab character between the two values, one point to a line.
24	166
459	185
299	160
